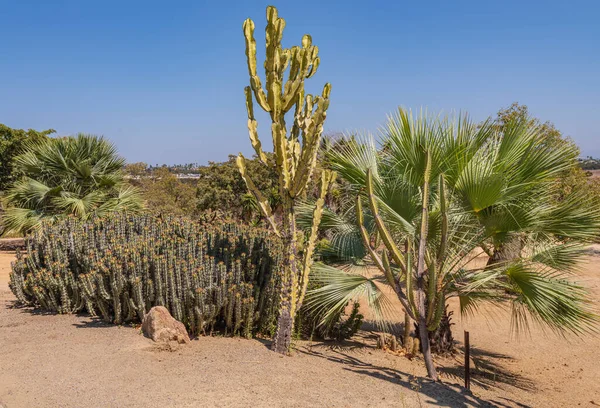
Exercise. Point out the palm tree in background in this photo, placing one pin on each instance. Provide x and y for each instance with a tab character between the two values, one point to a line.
79	176
446	193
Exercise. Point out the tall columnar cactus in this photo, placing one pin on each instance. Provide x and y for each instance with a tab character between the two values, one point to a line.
295	151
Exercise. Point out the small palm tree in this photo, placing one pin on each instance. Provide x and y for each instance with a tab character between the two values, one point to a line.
439	194
79	176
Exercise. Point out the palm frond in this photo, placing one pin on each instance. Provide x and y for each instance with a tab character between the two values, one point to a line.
336	288
78	176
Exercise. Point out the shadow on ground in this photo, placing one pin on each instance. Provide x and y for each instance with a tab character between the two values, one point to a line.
489	371
437	393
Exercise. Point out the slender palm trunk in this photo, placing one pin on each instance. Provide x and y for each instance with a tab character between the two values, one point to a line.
423	332
508	251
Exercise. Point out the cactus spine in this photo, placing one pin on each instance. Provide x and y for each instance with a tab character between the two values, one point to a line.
295	152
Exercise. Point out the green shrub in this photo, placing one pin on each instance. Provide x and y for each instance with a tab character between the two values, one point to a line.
119	266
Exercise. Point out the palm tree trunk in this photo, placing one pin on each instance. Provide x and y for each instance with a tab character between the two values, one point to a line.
423	332
508	251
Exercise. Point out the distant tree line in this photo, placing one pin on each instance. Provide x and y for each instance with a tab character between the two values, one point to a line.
589	163
218	186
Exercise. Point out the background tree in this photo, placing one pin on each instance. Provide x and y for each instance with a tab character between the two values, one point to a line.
78	176
589	163
574	179
165	193
136	170
12	142
221	187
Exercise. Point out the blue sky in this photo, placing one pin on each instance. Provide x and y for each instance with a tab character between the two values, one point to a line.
164	80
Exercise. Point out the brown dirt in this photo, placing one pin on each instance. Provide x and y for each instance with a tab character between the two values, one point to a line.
74	361
595	173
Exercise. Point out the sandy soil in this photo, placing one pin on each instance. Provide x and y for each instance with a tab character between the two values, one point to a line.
74	361
595	173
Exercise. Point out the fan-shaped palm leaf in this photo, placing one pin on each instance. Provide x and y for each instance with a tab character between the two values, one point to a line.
77	176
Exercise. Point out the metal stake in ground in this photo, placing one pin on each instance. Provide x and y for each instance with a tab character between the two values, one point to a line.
467	362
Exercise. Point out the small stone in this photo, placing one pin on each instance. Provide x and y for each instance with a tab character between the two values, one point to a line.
160	326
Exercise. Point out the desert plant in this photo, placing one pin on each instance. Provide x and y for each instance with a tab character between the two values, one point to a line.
439	194
295	153
121	265
80	176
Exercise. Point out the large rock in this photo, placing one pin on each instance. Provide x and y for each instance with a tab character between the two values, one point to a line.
160	326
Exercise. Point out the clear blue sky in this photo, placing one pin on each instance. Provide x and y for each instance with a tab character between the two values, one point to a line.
164	79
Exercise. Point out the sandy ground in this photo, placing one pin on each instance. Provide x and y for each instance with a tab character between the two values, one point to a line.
74	361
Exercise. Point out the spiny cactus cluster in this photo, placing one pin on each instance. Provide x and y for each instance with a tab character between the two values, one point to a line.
121	265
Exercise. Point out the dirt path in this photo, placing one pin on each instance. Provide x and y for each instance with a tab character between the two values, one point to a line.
5	259
74	361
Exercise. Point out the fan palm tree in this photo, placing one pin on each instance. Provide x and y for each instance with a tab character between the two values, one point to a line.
440	193
79	176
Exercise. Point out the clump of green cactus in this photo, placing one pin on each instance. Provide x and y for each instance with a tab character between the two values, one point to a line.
295	152
119	266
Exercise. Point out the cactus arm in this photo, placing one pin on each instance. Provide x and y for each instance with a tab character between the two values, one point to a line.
424	302
326	178
444	212
311	124
387	269
255	83
424	221
408	307
252	127
291	91
294	84
437	317
436	299
304	64
431	291
365	236
444	233
262	201
383	231
410	277
314	67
